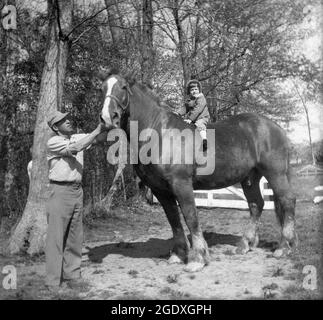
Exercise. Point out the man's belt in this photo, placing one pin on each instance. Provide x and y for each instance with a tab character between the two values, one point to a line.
66	183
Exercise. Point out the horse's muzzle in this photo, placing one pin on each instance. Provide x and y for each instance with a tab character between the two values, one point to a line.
107	126
101	119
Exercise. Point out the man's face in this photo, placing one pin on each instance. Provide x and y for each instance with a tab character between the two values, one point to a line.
64	126
194	91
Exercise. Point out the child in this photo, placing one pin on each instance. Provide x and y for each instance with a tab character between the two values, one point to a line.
196	110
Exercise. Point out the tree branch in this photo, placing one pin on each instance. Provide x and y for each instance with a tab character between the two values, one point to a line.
82	34
85	20
60	32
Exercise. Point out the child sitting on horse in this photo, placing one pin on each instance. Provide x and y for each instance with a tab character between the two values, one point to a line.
195	109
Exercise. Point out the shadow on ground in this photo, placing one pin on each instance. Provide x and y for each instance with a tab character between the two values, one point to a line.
153	248
160	248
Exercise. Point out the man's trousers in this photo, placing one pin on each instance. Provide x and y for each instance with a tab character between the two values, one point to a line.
64	233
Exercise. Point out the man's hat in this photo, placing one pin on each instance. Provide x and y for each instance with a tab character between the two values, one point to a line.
56	117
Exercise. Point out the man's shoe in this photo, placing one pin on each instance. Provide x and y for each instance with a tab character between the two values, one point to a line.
77	284
204	145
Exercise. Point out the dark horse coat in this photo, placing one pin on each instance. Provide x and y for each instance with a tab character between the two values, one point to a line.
241	149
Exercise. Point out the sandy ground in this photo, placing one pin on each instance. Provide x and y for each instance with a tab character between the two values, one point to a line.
125	257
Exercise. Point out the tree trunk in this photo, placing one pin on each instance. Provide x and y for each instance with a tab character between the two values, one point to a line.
310	135
106	202
308	123
30	232
181	43
147	50
114	21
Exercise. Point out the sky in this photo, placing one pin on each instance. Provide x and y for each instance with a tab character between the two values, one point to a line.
311	47
298	129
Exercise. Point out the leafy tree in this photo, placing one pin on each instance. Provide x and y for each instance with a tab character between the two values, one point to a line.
237	48
242	51
31	228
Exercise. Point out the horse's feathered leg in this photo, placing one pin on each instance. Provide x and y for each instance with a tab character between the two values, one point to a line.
181	244
198	256
285	211
251	189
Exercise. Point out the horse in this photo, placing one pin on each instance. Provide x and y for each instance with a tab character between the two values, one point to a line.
245	148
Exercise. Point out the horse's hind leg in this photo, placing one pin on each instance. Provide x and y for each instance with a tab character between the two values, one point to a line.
285	202
198	256
181	244
250	186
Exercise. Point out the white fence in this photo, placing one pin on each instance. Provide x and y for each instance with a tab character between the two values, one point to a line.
310	170
318	194
230	197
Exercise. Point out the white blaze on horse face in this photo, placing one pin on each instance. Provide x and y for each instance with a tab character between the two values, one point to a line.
105	110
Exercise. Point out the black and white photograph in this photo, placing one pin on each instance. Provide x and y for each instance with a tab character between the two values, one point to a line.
165	150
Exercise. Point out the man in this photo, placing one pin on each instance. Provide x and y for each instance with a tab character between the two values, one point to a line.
65	204
196	110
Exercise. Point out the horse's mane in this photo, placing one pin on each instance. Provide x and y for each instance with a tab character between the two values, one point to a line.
131	79
149	92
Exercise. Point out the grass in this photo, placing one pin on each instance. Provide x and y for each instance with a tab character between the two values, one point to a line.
228	252
172	278
174	294
98	271
278	273
297	292
133	273
272	286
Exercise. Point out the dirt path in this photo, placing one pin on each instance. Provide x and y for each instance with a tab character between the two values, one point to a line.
125	257
134	269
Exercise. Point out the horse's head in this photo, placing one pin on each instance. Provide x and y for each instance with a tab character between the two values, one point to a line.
116	99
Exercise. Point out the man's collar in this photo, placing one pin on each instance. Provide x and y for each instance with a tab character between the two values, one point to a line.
64	136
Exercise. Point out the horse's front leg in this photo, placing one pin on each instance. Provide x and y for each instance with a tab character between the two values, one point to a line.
181	245
198	256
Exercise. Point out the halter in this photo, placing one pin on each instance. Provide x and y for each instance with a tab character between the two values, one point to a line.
122	106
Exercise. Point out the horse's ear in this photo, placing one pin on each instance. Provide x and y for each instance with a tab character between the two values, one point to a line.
104	73
131	77
101	75
113	70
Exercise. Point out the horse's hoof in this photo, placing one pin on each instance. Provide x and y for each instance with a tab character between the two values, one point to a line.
281	252
243	247
174	259
242	250
194	267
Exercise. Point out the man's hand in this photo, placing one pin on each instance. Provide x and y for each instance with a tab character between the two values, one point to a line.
188	120
100	138
100	128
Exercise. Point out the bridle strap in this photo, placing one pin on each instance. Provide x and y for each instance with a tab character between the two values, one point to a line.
123	107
